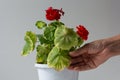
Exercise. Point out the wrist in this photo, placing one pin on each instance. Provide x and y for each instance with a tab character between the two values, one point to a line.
112	46
106	50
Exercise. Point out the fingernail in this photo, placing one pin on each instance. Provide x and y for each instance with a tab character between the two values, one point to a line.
76	68
71	53
70	67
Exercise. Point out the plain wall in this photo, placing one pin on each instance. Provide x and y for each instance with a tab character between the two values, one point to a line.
101	18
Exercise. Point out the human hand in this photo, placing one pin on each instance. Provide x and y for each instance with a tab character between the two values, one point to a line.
90	56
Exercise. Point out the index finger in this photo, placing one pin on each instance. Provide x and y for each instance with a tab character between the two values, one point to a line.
78	52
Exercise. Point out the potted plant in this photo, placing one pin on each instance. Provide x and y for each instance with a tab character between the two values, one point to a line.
53	46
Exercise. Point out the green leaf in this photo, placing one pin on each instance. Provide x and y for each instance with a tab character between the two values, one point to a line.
65	38
56	24
49	33
30	39
42	39
58	59
40	24
42	53
80	41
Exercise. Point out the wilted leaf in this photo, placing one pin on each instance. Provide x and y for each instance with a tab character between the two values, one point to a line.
30	39
42	53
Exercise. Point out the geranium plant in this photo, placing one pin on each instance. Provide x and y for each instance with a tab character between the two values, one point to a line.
56	41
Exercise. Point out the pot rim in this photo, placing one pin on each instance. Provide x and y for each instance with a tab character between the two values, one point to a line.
41	65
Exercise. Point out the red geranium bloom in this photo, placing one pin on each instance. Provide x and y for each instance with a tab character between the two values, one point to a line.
82	32
53	14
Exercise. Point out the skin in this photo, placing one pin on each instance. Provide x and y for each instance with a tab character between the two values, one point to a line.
95	53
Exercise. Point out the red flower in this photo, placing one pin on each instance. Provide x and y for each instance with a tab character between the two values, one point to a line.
82	32
53	14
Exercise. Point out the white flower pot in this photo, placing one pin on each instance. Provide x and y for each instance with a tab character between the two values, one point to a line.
46	73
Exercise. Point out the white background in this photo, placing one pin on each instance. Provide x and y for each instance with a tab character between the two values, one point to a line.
101	18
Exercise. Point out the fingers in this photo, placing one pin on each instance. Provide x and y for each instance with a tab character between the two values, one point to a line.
80	67
82	58
76	60
78	52
82	63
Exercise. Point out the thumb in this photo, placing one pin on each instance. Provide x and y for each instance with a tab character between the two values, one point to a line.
78	52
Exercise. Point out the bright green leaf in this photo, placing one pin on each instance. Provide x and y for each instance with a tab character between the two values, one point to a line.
56	24
42	39
49	33
58	59
40	24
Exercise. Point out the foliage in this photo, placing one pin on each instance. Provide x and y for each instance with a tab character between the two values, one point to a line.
56	41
